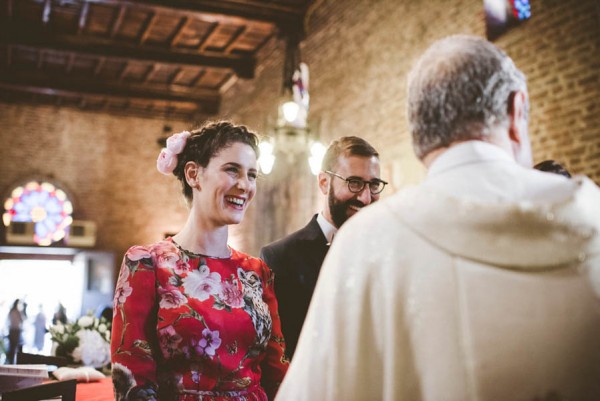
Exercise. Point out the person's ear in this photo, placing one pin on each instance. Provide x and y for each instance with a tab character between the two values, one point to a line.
518	117
192	174
324	182
518	130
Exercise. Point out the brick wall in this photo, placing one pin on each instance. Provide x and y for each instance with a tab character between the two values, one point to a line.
106	164
359	53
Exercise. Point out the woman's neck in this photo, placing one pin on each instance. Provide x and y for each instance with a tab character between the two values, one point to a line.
197	238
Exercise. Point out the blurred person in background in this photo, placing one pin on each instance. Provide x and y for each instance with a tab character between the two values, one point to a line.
16	317
40	329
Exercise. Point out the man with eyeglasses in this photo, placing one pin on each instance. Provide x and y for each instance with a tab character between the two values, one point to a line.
350	179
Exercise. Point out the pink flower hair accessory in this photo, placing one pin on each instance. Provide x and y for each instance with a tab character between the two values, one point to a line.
167	159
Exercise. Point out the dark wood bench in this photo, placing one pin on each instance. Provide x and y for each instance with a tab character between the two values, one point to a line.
64	389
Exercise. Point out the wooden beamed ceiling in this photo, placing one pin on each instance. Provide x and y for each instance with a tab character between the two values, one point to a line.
171	59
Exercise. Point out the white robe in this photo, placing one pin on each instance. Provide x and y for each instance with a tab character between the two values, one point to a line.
480	284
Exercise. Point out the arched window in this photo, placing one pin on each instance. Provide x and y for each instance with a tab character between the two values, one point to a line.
42	203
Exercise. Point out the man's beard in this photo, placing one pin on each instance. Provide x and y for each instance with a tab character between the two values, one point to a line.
339	209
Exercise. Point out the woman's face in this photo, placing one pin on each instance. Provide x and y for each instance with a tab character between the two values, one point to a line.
227	184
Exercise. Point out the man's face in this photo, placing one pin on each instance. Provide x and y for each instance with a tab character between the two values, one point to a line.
341	202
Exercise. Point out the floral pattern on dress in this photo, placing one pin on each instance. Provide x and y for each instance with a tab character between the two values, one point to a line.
208	344
201	283
171	297
190	327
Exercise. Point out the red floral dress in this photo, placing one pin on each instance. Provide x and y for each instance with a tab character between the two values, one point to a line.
192	327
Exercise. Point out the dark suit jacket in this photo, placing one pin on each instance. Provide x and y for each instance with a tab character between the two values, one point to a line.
296	261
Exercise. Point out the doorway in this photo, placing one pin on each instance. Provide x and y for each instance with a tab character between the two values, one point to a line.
42	285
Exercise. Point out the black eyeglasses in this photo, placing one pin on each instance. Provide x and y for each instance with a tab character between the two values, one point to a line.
356	185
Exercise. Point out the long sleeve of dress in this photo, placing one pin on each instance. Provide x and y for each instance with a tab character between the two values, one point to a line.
275	364
134	328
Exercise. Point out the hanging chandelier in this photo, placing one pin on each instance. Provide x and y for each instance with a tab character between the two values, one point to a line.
291	134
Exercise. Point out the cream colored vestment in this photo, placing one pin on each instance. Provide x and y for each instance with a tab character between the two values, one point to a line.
480	284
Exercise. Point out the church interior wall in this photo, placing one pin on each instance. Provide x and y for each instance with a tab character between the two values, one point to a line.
359	53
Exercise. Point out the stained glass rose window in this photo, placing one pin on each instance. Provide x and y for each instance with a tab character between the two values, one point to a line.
43	204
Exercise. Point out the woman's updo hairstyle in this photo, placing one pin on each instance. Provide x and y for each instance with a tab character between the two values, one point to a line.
206	142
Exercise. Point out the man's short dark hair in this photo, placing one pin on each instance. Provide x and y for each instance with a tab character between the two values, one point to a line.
551	166
346	146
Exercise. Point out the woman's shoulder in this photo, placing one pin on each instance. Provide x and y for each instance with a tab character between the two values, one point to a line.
245	258
139	252
249	262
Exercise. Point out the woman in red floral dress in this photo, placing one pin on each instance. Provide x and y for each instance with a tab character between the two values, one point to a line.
195	319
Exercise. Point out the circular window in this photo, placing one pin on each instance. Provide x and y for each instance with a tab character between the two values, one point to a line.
43	204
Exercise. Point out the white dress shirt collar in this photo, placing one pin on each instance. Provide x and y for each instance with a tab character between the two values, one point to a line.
329	230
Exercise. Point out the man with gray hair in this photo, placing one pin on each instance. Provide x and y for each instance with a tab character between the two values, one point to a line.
482	283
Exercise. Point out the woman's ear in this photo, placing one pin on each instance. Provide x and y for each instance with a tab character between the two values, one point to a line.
192	174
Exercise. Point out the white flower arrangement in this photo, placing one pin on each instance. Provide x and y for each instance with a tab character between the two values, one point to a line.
86	341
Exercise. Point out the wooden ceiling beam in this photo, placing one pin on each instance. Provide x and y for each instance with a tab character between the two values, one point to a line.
173	110
117	22
198	77
174	77
46	12
147	28
83	15
53	84
33	90
203	42
123	71
99	66
242	65
223	11
150	73
233	40
179	30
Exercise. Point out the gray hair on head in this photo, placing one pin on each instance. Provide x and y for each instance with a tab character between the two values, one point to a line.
458	90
